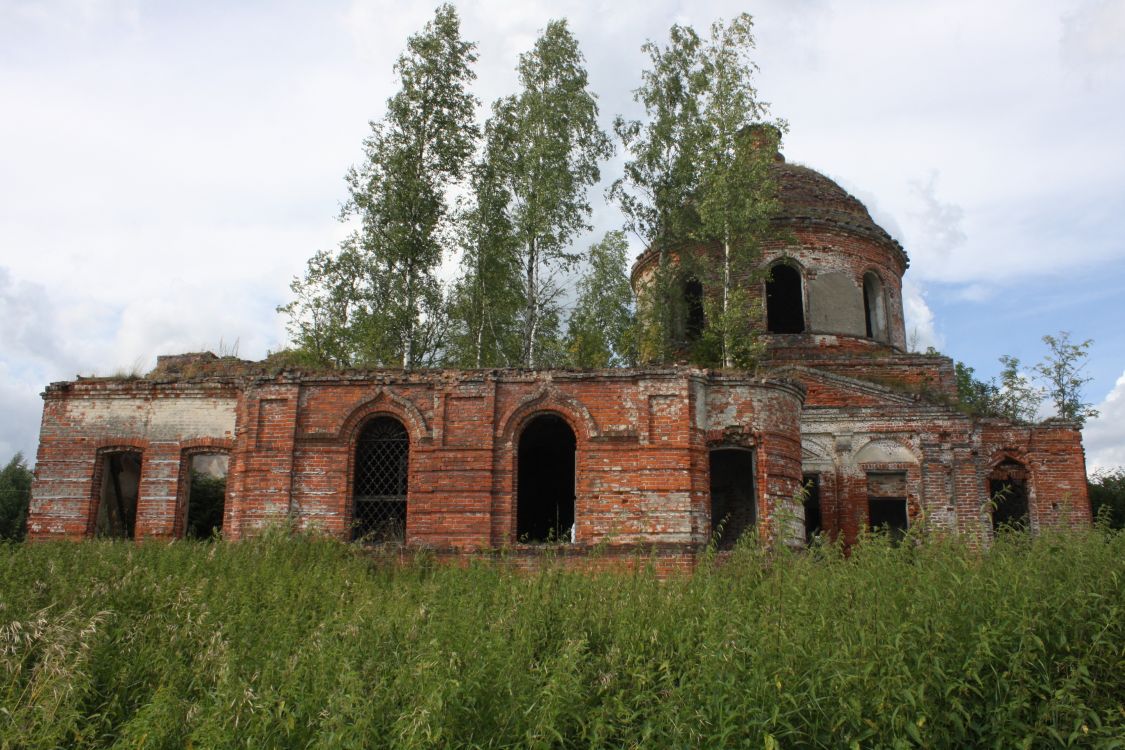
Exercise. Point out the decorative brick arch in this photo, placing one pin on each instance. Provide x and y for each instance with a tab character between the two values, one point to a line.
385	402
548	398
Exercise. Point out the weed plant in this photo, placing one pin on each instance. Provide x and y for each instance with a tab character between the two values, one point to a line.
304	642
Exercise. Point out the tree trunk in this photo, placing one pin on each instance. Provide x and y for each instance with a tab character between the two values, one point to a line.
532	305
728	359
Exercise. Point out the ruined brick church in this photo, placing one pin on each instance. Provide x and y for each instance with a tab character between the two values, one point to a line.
844	431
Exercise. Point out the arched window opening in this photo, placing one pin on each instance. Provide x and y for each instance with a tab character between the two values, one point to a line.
117	496
733	508
206	498
545	481
694	320
874	307
1007	492
785	308
379	491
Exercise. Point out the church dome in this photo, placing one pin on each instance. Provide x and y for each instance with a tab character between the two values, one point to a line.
808	197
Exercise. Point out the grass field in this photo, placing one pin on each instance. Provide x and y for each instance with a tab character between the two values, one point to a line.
304	642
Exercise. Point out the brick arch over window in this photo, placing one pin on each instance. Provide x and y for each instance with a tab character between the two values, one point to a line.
386	401
548	398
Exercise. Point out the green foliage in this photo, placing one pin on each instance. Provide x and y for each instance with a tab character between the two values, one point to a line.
1061	370
601	329
299	642
1015	397
487	300
975	396
205	507
544	145
699	178
378	300
15	495
1107	497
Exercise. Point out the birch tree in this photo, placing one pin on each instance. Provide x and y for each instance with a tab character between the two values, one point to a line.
600	332
390	312
545	143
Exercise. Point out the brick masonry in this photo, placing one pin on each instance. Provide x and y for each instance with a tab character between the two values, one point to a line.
834	402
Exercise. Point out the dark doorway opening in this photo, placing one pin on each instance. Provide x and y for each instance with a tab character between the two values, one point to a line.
785	309
207	492
117	498
733	509
379	492
1007	491
545	481
812	506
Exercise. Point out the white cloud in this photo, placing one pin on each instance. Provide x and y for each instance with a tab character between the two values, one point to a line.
920	331
1094	34
1104	435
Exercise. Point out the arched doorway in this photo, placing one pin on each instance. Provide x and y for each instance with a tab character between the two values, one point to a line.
545	480
785	307
733	507
379	488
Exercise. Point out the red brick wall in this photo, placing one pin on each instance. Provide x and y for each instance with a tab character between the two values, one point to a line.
642	447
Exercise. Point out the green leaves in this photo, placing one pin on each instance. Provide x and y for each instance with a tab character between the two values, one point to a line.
602	327
698	191
377	300
15	494
544	144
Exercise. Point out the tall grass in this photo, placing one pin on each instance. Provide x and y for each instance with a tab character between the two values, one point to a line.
308	643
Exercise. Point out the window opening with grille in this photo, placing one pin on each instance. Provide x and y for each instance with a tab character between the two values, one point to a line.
380	489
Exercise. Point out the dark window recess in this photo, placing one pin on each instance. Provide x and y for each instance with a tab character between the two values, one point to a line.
886	504
888	514
694	320
733	510
381	460
1007	490
206	496
785	310
812	506
545	481
117	502
874	311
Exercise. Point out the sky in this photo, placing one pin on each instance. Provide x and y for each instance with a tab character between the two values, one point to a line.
167	168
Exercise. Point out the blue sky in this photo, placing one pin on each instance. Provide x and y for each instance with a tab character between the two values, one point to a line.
166	168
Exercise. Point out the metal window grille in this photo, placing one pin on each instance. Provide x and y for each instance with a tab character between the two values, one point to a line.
379	492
